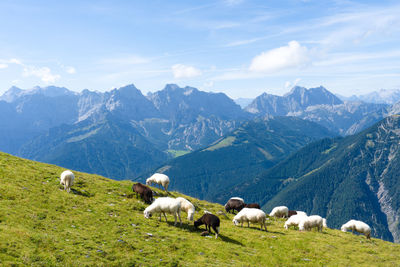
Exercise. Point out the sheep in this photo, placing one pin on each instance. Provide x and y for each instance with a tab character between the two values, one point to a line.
67	179
144	192
291	213
357	226
160	179
307	223
210	220
238	198
250	215
187	207
234	203
252	205
324	223
162	205
294	220
281	211
301	213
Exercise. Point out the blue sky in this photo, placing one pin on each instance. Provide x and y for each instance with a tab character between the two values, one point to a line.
240	47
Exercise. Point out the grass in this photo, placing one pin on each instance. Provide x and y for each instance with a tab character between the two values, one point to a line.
223	143
101	223
177	153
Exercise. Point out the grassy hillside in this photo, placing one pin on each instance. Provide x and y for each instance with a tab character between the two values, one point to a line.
101	223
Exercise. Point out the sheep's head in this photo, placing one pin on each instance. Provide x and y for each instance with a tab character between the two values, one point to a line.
147	214
343	228
235	222
190	216
197	223
148	182
227	208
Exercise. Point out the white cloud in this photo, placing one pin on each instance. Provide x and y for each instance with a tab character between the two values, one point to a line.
182	71
44	73
70	70
290	56
3	66
15	61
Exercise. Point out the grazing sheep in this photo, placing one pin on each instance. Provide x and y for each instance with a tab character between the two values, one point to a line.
278	212
67	179
234	203
324	223
251	215
160	179
163	205
144	192
210	220
307	223
252	205
187	207
357	226
294	220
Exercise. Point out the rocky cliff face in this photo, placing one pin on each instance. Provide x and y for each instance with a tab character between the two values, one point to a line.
321	106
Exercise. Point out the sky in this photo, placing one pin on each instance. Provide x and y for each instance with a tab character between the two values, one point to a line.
240	47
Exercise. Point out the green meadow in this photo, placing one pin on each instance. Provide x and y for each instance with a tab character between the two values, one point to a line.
101	223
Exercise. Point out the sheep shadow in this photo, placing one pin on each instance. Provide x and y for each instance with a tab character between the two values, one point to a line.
83	193
230	240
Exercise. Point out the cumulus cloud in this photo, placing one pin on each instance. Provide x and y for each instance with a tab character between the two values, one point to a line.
44	73
290	56
182	71
3	66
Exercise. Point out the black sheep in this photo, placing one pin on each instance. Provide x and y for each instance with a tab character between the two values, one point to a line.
144	192
253	206
291	213
210	220
234	204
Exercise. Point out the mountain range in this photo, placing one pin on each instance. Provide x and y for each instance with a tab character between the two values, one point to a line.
213	172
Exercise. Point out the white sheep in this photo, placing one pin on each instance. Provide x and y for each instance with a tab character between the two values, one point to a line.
160	179
187	206
324	223
67	179
250	215
294	220
357	226
163	205
301	213
281	211
307	223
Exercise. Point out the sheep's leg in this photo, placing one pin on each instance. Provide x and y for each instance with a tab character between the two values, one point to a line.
175	218
248	224
165	216
160	216
179	216
242	224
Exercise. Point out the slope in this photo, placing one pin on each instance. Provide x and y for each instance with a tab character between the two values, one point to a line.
353	177
257	145
101	223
